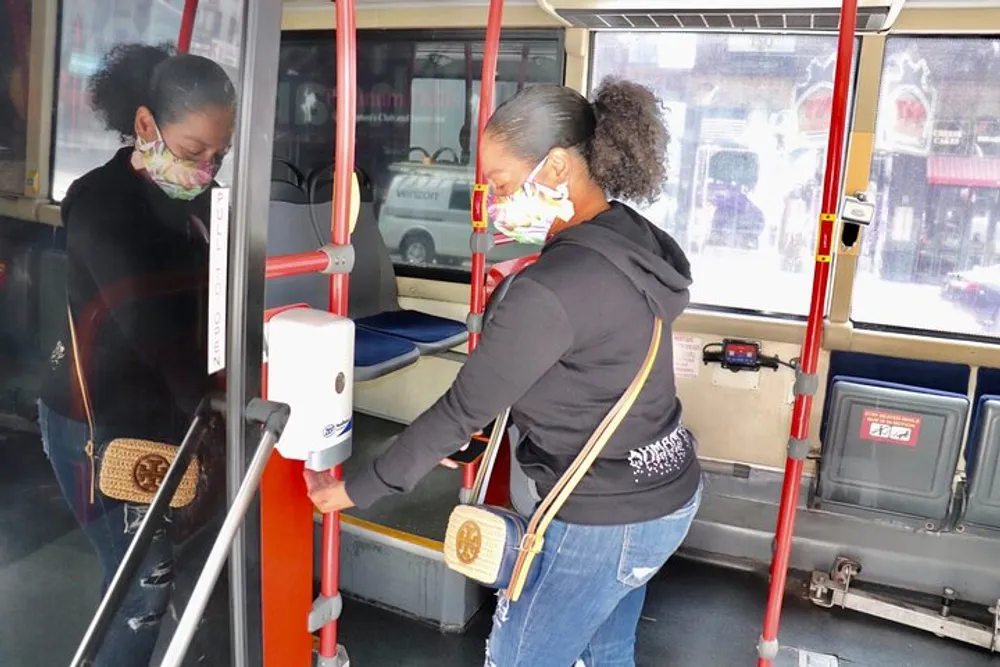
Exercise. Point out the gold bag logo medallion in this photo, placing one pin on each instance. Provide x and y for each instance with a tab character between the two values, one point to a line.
468	542
149	472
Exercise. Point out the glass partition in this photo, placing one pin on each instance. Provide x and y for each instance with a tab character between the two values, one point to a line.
130	271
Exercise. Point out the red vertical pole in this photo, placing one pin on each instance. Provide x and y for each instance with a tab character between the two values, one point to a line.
477	299
487	83
806	381
187	26
340	234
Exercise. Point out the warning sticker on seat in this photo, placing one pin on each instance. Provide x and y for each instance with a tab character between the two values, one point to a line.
895	428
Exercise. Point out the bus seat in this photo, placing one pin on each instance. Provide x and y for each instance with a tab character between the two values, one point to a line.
891	448
500	271
377	355
374	302
286	191
496	295
285	170
296	227
290	230
318	185
982	467
430	333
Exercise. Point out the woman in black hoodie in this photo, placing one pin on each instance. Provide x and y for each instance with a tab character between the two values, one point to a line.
137	232
561	348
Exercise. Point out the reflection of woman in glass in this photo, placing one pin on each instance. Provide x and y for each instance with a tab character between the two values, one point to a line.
137	247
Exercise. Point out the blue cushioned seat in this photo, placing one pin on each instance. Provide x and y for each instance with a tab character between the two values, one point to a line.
374	299
976	432
982	465
430	333
377	354
893	385
297	226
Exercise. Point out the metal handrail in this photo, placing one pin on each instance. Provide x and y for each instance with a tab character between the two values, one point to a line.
274	417
136	551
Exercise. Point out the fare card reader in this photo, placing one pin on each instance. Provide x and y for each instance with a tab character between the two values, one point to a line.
310	366
738	355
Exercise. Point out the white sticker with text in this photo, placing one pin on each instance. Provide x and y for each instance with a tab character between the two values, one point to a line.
218	280
687	356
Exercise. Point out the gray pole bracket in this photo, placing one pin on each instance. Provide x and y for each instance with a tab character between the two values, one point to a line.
325	610
474	322
339	660
340	258
481	242
798	449
767	649
805	384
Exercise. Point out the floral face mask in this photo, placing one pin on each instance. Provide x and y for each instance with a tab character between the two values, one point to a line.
527	215
178	178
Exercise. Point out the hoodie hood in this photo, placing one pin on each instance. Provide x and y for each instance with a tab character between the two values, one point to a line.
649	257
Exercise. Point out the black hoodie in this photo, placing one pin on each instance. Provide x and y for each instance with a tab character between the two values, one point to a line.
562	346
137	284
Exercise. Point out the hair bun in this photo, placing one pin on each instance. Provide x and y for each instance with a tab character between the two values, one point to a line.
629	153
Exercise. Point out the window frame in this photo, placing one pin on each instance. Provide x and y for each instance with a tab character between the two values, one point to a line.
404	35
41	80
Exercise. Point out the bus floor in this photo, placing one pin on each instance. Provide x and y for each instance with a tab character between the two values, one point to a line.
696	615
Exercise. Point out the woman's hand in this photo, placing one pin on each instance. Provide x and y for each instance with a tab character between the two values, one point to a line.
329	494
326	492
448	463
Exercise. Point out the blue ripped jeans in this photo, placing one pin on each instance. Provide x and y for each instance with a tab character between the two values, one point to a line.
584	606
110	525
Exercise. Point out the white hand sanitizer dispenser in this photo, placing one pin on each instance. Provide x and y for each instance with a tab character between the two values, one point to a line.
310	366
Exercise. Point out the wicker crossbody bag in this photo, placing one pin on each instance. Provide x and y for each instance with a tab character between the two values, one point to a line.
130	469
498	547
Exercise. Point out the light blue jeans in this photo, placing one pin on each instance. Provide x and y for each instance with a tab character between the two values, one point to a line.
110	526
585	604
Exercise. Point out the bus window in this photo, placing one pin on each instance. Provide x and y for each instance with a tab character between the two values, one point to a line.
418	99
88	30
935	175
749	117
15	47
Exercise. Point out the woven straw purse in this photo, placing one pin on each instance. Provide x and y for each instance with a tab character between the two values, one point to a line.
130	469
498	547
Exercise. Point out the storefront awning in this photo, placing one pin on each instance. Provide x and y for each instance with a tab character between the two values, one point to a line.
968	172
